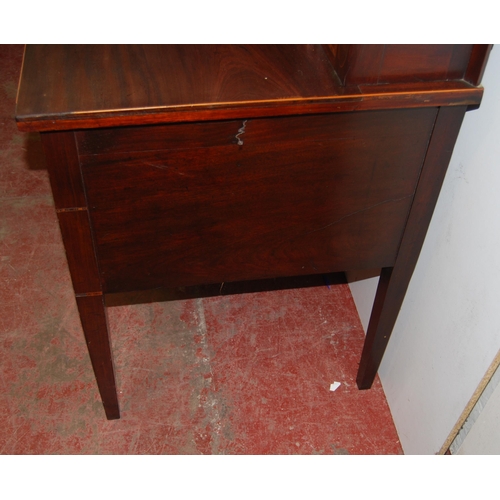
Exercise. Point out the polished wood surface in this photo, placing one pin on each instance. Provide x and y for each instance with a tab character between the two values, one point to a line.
300	195
379	64
95	327
68	87
174	76
184	165
394	281
72	212
477	64
71	207
64	170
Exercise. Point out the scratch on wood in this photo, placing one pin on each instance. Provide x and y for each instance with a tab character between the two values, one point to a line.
161	167
241	131
357	212
167	167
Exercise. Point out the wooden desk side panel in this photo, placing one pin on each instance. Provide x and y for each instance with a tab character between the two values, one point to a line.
301	200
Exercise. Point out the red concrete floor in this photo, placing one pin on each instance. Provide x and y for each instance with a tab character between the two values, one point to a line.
204	371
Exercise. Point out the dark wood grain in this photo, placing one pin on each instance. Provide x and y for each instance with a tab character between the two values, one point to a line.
299	130
419	62
477	64
356	64
101	78
71	205
157	138
68	87
333	196
394	281
64	170
375	64
168	75
95	328
77	237
391	96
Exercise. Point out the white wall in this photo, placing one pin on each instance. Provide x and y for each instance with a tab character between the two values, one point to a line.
448	330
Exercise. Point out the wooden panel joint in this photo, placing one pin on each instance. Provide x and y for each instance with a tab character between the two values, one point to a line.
88	294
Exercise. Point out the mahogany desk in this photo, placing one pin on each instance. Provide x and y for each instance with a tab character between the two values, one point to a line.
186	165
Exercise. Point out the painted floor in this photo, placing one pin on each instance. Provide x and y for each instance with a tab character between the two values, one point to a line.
210	370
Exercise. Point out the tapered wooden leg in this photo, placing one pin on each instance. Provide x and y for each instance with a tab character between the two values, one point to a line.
72	212
95	328
378	333
394	281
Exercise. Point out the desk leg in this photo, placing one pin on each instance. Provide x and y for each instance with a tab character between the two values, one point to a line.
394	281
77	238
95	328
72	212
376	335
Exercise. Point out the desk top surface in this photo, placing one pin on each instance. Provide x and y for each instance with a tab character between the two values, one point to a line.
88	86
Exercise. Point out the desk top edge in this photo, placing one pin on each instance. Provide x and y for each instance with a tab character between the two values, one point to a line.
70	87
